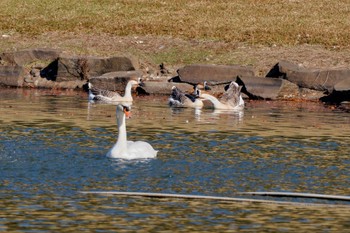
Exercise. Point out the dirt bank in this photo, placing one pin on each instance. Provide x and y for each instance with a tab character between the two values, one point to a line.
175	53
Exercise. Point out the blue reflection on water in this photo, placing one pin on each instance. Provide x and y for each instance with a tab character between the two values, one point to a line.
70	159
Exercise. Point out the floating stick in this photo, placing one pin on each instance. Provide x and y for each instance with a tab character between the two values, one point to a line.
185	196
304	195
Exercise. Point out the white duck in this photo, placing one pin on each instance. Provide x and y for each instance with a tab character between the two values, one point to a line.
112	96
181	99
230	100
124	149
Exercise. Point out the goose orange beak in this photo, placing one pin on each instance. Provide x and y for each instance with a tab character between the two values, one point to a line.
127	112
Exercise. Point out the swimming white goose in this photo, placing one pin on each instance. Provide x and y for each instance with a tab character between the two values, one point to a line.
124	149
112	96
181	99
230	100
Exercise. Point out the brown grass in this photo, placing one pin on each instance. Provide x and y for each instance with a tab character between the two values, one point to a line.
208	23
267	22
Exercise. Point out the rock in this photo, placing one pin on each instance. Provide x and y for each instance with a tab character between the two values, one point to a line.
12	75
260	88
316	79
114	81
35	72
340	93
195	74
163	88
71	68
38	82
309	94
343	85
23	57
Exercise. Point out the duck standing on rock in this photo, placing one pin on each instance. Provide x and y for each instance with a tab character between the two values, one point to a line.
231	99
113	96
180	99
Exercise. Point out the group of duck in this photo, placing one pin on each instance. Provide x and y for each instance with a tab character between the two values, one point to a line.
230	99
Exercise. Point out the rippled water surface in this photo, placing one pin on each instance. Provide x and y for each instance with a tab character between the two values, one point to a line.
53	145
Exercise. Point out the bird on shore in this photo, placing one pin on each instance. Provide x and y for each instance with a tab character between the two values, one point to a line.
180	99
231	99
124	149
112	96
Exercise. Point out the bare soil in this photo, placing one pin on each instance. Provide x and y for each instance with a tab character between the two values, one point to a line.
148	49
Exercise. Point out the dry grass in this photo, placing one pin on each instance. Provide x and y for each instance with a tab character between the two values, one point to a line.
254	23
267	22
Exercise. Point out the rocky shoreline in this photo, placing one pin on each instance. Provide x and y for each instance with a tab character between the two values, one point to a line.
49	68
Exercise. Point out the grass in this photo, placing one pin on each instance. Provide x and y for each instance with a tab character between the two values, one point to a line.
252	22
268	22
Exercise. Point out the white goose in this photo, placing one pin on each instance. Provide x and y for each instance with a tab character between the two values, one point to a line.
112	96
181	99
124	149
230	100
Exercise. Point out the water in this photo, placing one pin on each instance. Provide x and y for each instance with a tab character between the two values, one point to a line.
53	145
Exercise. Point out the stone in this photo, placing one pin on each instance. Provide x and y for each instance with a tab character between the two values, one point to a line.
195	74
115	81
35	72
343	85
259	87
12	75
71	68
316	79
163	88
27	56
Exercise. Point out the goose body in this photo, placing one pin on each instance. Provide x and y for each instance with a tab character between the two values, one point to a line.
230	100
181	99
112	96
124	149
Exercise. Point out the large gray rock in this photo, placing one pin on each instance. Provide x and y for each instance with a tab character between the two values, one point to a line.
115	81
12	75
343	85
260	88
70	68
198	73
28	56
163	88
321	80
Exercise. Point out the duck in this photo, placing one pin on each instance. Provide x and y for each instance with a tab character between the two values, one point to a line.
181	99
124	149
231	99
112	96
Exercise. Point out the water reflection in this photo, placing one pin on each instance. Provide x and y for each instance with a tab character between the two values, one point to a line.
108	213
56	146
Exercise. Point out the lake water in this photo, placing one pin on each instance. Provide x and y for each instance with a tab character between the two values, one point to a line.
53	145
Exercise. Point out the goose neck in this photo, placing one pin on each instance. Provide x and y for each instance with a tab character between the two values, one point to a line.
212	99
128	89
122	136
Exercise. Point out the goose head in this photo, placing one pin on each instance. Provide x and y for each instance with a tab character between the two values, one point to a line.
123	110
236	88
196	91
206	87
140	82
